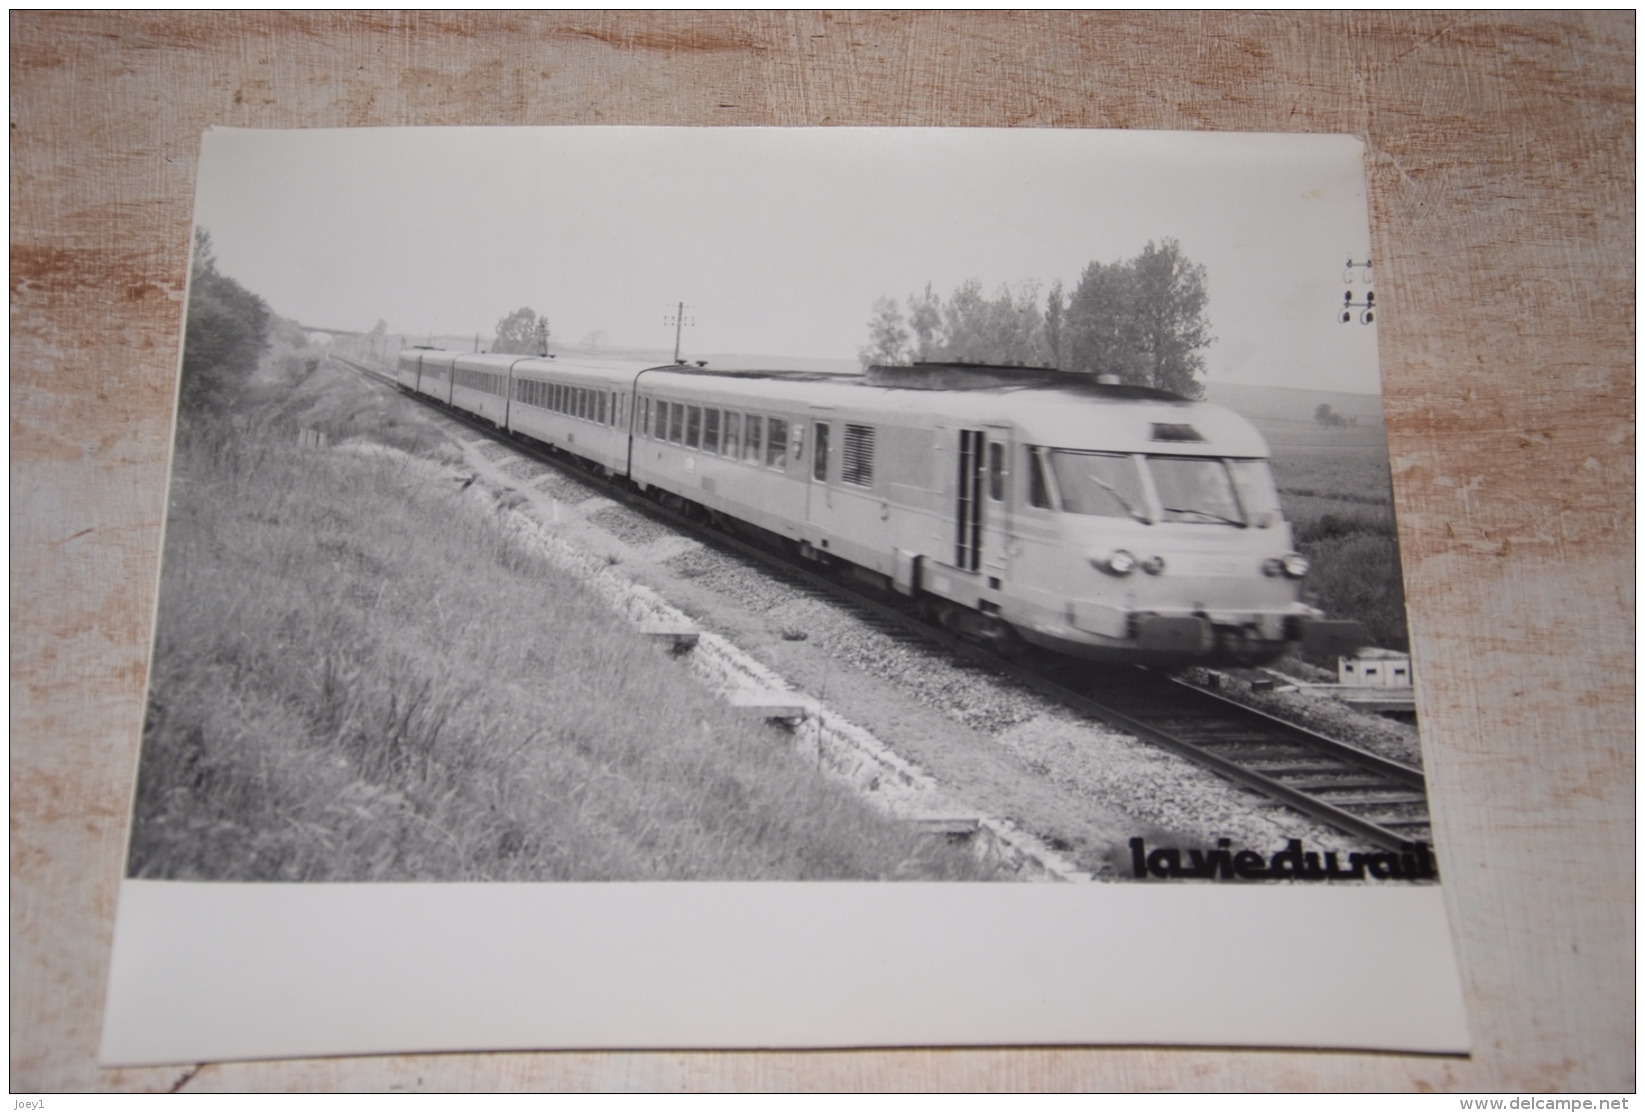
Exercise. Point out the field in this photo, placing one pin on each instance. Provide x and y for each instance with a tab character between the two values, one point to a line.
1341	509
362	674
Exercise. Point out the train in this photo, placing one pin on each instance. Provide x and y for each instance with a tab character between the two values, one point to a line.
1022	507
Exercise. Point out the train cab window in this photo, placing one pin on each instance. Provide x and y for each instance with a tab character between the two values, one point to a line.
1254	483
996	471
752	424
776	443
1195	489
693	426
857	455
676	422
819	451
1039	490
1104	484
711	431
731	446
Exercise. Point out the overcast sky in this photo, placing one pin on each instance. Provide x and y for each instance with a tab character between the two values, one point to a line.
779	240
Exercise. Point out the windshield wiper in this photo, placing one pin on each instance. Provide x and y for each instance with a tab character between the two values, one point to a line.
1121	499
1204	514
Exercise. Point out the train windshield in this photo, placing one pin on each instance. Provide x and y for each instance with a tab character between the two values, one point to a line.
1201	489
1105	484
1196	489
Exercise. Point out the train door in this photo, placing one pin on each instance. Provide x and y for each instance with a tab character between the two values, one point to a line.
997	539
982	524
820	508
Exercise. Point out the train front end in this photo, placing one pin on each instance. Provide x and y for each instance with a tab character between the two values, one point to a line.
1152	531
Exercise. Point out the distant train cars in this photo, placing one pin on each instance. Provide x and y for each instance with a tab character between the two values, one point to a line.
1019	504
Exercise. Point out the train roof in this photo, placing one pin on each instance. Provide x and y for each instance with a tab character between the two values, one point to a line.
623	370
1046	406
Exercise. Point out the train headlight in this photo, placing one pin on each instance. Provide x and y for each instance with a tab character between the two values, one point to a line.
1117	563
1154	565
1293	565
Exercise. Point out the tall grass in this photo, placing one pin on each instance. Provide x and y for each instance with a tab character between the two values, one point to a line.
359	676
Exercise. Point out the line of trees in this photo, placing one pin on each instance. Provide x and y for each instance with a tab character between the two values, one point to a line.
225	335
1141	320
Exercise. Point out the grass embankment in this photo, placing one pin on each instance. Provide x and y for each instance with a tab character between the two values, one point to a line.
360	676
1340	505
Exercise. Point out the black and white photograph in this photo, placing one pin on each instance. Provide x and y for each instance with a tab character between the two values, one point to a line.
928	518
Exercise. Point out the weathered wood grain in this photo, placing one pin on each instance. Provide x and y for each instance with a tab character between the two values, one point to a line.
1501	173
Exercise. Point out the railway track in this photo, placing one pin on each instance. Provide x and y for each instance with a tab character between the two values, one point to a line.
1361	794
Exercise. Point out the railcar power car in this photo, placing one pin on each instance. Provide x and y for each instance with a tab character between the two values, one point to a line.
1101	521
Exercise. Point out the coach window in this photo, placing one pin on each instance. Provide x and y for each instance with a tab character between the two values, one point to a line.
599	414
819	451
693	426
1039	491
731	446
776	443
751	438
711	431
996	471
676	422
857	455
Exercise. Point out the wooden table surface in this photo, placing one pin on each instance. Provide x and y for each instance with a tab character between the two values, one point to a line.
1500	160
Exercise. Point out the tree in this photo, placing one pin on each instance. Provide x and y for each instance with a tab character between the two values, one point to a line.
225	336
1141	320
1098	323
1055	310
925	318
887	336
522	332
1169	314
